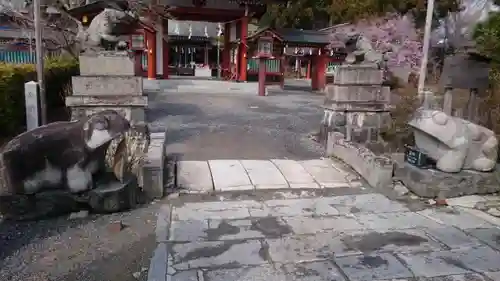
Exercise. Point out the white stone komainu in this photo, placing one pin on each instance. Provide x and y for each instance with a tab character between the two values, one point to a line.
453	142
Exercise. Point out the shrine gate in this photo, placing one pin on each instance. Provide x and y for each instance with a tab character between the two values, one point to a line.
312	46
232	16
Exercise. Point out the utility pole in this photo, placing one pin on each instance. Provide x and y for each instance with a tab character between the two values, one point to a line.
425	52
39	60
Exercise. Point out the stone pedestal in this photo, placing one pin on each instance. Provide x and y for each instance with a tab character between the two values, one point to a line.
357	105
108	81
356	109
433	183
377	170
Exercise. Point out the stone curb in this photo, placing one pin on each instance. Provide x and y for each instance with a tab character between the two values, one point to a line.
159	260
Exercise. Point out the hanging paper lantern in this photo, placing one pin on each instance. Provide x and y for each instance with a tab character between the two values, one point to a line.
219	29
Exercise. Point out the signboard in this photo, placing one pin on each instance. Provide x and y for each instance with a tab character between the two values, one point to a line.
416	158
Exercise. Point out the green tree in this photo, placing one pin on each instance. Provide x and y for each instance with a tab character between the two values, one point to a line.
296	14
487	36
305	13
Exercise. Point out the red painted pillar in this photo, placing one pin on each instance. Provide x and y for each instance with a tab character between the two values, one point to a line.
313	72
282	72
151	45
226	52
321	70
262	76
138	63
243	49
308	68
166	49
205	56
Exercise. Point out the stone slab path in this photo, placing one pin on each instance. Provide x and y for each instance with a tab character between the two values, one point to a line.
239	175
293	235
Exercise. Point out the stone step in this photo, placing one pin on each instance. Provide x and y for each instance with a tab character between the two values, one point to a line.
239	175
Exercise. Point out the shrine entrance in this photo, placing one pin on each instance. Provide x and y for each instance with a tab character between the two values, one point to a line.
189	40
295	53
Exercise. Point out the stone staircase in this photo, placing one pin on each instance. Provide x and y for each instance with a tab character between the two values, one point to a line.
246	175
200	85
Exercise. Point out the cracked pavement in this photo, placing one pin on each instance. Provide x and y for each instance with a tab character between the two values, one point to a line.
331	234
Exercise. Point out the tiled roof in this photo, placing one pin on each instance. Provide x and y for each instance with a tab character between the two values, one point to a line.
298	36
304	36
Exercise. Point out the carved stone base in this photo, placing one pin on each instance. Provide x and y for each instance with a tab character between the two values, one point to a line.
432	183
109	196
133	114
375	169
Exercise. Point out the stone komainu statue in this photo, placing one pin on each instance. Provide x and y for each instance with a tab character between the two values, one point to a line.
58	167
360	50
106	28
453	142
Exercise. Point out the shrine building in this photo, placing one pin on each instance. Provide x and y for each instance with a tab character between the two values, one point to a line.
179	37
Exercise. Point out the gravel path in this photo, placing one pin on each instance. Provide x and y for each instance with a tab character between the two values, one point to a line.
203	127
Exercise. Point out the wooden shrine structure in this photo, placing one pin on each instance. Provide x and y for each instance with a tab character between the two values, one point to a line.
237	63
234	16
311	45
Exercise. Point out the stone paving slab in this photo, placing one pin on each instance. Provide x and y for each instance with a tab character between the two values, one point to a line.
373	267
489	236
439	263
264	174
241	175
365	203
229	175
313	271
216	254
348	237
325	173
294	172
455	218
194	176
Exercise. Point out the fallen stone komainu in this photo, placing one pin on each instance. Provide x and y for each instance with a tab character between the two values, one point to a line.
454	143
65	166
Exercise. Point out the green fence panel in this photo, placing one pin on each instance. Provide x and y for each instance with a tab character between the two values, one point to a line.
331	66
271	65
17	57
253	65
144	60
